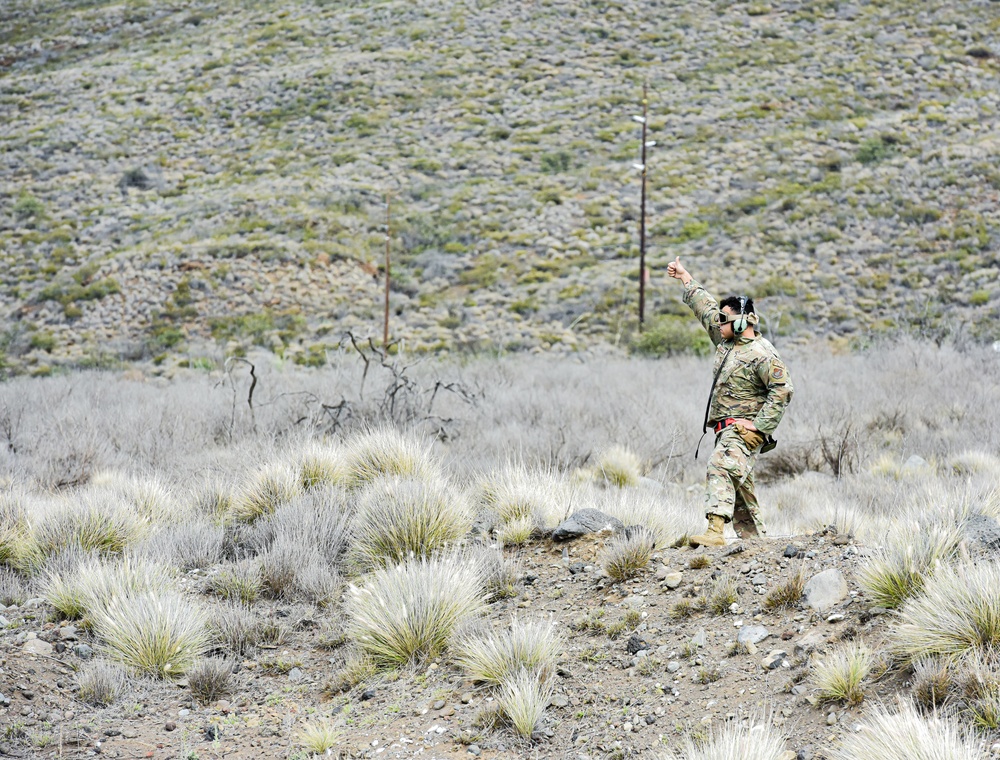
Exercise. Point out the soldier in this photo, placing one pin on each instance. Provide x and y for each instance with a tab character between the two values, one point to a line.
749	394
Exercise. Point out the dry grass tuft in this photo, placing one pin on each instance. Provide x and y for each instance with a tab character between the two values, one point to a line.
721	595
494	657
13	588
932	680
627	555
239	630
699	562
840	677
320	736
619	467
386	452
242	581
321	464
734	741
210	679
900	569
787	593
523	698
905	735
102	683
91	522
957	614
517	495
157	634
264	491
402	517
408	612
78	585
667	519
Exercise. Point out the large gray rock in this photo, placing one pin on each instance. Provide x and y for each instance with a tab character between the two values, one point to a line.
983	530
824	590
583	522
37	646
752	634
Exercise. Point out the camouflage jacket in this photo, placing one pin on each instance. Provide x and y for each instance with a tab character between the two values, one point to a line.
754	382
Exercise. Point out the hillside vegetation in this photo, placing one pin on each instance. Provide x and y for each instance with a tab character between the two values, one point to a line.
182	181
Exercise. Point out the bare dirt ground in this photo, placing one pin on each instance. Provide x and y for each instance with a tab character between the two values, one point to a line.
621	691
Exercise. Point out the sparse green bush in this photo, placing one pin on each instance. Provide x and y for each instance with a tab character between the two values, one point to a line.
408	612
619	466
239	582
317	737
874	149
494	657
402	517
671	335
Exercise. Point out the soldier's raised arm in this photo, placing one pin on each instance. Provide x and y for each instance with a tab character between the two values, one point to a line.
699	300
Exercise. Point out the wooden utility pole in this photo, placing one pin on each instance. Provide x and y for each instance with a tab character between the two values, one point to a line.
385	331
642	219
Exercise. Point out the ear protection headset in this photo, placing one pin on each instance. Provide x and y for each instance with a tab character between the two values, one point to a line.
743	320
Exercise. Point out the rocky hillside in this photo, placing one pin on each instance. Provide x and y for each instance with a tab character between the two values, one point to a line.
192	178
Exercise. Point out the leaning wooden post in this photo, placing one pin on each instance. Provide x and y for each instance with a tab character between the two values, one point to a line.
385	331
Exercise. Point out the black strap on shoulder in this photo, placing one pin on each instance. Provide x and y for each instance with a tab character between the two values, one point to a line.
711	393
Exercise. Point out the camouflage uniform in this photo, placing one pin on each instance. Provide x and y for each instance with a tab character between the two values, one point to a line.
753	384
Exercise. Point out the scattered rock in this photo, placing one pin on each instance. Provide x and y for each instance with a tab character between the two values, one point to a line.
752	634
584	522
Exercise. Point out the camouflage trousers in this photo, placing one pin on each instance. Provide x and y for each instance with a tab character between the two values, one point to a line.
729	490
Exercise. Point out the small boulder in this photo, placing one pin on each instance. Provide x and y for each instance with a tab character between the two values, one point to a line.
824	590
584	522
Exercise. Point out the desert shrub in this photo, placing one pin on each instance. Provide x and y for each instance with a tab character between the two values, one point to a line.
146	494
209	679
264	491
293	571
958	613
494	657
242	581
523	698
319	519
193	543
407	612
237	629
905	735
402	517
385	452
156	634
500	574
669	335
734	741
13	588
899	569
627	554
357	668
619	466
101	683
517	532
840	677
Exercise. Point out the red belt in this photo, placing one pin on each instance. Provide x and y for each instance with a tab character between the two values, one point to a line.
720	426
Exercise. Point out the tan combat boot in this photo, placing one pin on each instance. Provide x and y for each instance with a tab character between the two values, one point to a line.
713	536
